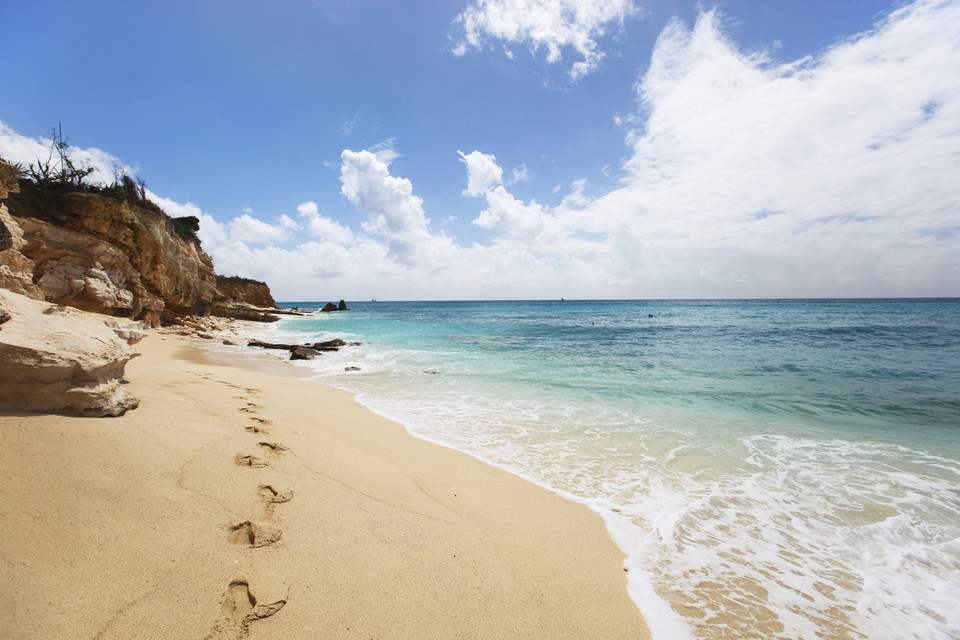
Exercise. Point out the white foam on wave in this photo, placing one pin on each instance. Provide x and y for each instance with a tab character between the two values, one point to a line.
792	549
798	539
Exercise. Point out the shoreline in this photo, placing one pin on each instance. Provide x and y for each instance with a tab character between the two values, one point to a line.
385	535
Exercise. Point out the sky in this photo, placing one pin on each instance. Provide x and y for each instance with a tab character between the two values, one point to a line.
519	149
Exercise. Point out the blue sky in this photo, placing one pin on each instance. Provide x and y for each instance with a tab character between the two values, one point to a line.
520	148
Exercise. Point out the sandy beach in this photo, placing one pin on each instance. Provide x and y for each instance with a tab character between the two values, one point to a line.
239	503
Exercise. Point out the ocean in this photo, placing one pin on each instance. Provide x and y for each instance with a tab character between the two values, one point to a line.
770	469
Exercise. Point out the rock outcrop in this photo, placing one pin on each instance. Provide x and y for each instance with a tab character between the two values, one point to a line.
100	254
16	269
244	299
330	306
234	289
61	360
9	179
240	311
121	257
304	351
6	240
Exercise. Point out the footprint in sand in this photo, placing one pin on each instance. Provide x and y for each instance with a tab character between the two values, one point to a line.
271	494
249	461
273	447
239	609
252	534
260	426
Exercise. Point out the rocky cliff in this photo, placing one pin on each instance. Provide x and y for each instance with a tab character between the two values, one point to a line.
236	289
116	255
101	254
121	256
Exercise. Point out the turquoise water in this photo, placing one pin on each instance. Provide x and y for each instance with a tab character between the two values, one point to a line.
771	469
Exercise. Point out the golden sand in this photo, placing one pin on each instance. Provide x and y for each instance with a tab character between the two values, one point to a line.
239	503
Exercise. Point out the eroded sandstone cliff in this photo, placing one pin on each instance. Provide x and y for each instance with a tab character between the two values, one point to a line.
101	254
237	289
243	299
116	255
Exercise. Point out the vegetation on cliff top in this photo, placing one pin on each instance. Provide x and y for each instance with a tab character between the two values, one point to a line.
237	281
43	185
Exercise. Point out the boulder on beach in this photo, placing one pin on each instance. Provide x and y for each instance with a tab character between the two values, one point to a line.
61	360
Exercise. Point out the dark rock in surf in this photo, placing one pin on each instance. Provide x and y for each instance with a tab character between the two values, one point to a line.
330	306
271	345
303	353
329	345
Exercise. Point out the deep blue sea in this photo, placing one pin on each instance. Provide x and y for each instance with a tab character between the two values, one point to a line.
771	469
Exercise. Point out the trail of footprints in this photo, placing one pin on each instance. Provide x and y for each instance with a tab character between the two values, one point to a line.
240	606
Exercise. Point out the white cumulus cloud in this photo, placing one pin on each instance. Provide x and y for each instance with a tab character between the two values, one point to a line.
483	173
252	230
832	175
393	211
549	24
322	226
825	176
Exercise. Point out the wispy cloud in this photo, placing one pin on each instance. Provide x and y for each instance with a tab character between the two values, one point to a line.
349	125
385	151
520	174
553	25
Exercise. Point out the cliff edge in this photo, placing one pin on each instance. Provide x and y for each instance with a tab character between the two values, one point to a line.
98	253
68	248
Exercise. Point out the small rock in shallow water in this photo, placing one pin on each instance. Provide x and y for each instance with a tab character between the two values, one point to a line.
303	353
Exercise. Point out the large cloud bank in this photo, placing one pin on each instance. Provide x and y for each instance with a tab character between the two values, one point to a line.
833	175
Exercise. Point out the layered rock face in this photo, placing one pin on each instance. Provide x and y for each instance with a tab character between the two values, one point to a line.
243	299
96	253
57	359
16	270
236	289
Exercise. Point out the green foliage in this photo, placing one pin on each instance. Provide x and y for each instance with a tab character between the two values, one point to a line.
59	172
114	191
42	186
236	281
186	227
44	182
